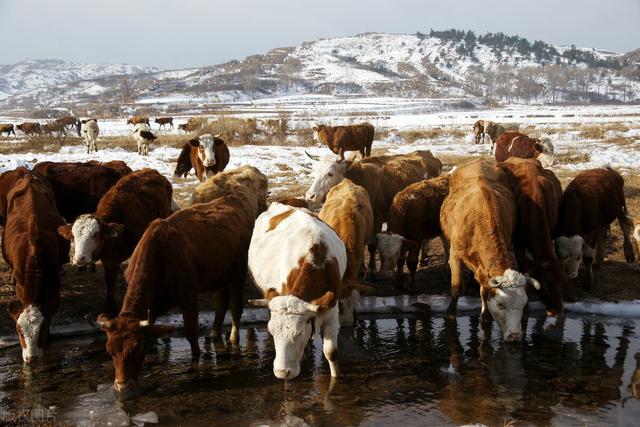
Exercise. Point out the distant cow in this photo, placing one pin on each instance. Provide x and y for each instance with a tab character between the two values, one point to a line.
245	182
143	136
494	130
200	248
90	135
346	138
30	128
112	232
192	125
297	261
348	211
33	251
162	121
414	217
478	218
78	187
68	122
382	176
8	129
137	119
208	154
537	193
478	131
50	128
592	201
515	144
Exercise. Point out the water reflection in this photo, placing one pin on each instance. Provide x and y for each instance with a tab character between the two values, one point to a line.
410	370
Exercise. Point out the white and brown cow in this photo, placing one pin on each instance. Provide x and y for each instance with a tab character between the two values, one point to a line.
207	154
298	261
478	218
516	144
143	136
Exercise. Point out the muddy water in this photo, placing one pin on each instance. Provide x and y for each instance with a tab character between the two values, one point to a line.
407	371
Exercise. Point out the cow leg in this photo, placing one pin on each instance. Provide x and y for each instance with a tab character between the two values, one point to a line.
588	255
445	247
457	280
236	311
412	265
190	318
110	279
601	244
220	306
368	150
626	225
399	272
362	152
341	154
330	342
371	247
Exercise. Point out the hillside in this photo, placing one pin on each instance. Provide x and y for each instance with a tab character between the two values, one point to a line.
446	64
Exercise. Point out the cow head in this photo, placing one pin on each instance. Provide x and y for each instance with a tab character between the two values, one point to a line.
126	339
506	299
569	251
291	325
32	328
327	172
206	153
316	132
392	247
88	235
347	307
546	157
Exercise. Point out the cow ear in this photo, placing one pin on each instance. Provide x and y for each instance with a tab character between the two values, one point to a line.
316	128
159	331
408	245
194	142
66	231
113	230
14	308
323	303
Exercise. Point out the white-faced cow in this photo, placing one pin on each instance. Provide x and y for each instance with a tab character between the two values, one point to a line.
298	261
478	218
208	154
90	133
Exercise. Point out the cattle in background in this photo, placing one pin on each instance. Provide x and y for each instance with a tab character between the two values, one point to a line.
495	130
143	136
163	121
68	122
193	124
348	211
137	120
382	176
112	232
346	138
246	182
537	193
30	128
78	187
207	154
592	201
90	135
298	261
294	201
478	218
33	251
8	180
478	131
200	248
50	128
414	218
515	144
8	129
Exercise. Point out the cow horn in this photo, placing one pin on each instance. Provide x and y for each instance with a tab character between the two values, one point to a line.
145	323
262	302
312	157
98	324
533	282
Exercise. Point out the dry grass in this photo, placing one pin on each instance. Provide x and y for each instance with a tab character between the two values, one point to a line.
599	131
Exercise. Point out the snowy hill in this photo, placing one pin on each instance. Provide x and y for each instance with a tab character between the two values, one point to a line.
448	64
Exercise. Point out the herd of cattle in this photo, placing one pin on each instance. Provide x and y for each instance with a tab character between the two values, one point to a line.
509	224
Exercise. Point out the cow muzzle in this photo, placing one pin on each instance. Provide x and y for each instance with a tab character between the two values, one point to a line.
81	260
124	386
513	336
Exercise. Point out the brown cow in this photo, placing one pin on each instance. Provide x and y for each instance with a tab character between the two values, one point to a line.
8	129
414	217
348	211
294	201
162	121
78	187
8	180
478	218
515	144
346	138
50	128
207	154
592	201
200	248
192	125
33	251
246	182
30	128
478	130
137	119
382	176
112	232
538	193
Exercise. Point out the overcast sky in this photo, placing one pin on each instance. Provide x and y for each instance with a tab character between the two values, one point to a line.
187	33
